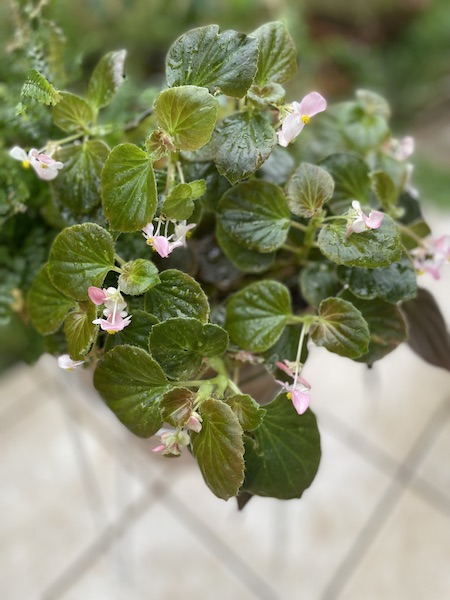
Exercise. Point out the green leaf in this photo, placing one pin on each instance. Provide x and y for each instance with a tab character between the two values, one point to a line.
72	113
258	314
351	180
249	413
180	344
134	334
385	190
241	143
219	449
393	283
176	406
386	325
47	306
132	385
222	62
283	454
277	59
249	261
255	214
319	281
138	276
106	79
178	295
78	185
285	348
79	330
128	188
369	249
38	88
188	114
271	93
308	189
80	257
341	328
179	204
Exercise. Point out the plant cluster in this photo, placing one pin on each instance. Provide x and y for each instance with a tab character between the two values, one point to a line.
223	231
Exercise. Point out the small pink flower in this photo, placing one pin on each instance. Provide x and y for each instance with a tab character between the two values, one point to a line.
65	362
195	422
113	323
300	116
400	149
44	165
114	311
97	295
360	222
172	443
432	256
162	244
298	392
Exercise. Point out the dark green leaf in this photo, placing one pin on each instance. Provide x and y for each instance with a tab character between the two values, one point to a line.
319	281
283	455
255	214
79	330
341	328
132	385
178	295
188	114
369	249
271	93
47	306
78	185
241	144
277	59
138	276
80	257
249	413
257	315
222	62
128	188
308	189
72	113
180	344
249	261
351	180
106	79
219	449
134	334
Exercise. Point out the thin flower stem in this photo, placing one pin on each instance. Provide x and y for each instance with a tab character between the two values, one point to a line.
304	330
180	172
293	249
120	260
410	233
298	225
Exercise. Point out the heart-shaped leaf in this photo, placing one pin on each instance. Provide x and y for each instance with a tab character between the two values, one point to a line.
222	62
106	79
179	204
128	188
288	471
219	449
72	113
132	385
258	314
138	276
80	257
79	330
308	189
341	328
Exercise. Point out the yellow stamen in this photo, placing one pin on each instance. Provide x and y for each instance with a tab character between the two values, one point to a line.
111	331
289	395
26	164
306	119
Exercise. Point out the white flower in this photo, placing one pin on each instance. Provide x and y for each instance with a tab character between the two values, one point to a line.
45	166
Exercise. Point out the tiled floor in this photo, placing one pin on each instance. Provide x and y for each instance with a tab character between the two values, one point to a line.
87	512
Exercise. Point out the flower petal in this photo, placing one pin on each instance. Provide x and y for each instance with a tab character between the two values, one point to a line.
97	295
300	400
373	221
312	104
19	154
291	127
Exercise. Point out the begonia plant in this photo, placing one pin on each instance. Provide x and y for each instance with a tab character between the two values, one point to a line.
222	232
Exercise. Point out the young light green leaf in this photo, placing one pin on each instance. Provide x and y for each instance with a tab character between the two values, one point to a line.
179	345
128	188
249	261
258	314
277	58
385	190
47	306
249	413
351	180
80	257
341	328
369	249
219	449
78	185
287	472
177	295
308	189
138	276
79	330
188	114
179	204
241	144
132	384
38	88
255	214
106	79
222	62
270	94
72	113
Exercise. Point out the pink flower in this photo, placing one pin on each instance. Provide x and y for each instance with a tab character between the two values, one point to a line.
65	362
172	443
114	322
360	222
114	311
162	244
400	149
298	392
44	165
300	116
195	422
97	295
431	257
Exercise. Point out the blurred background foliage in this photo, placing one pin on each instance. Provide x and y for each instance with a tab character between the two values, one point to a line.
398	48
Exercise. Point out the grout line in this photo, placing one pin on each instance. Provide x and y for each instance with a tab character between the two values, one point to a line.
401	480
